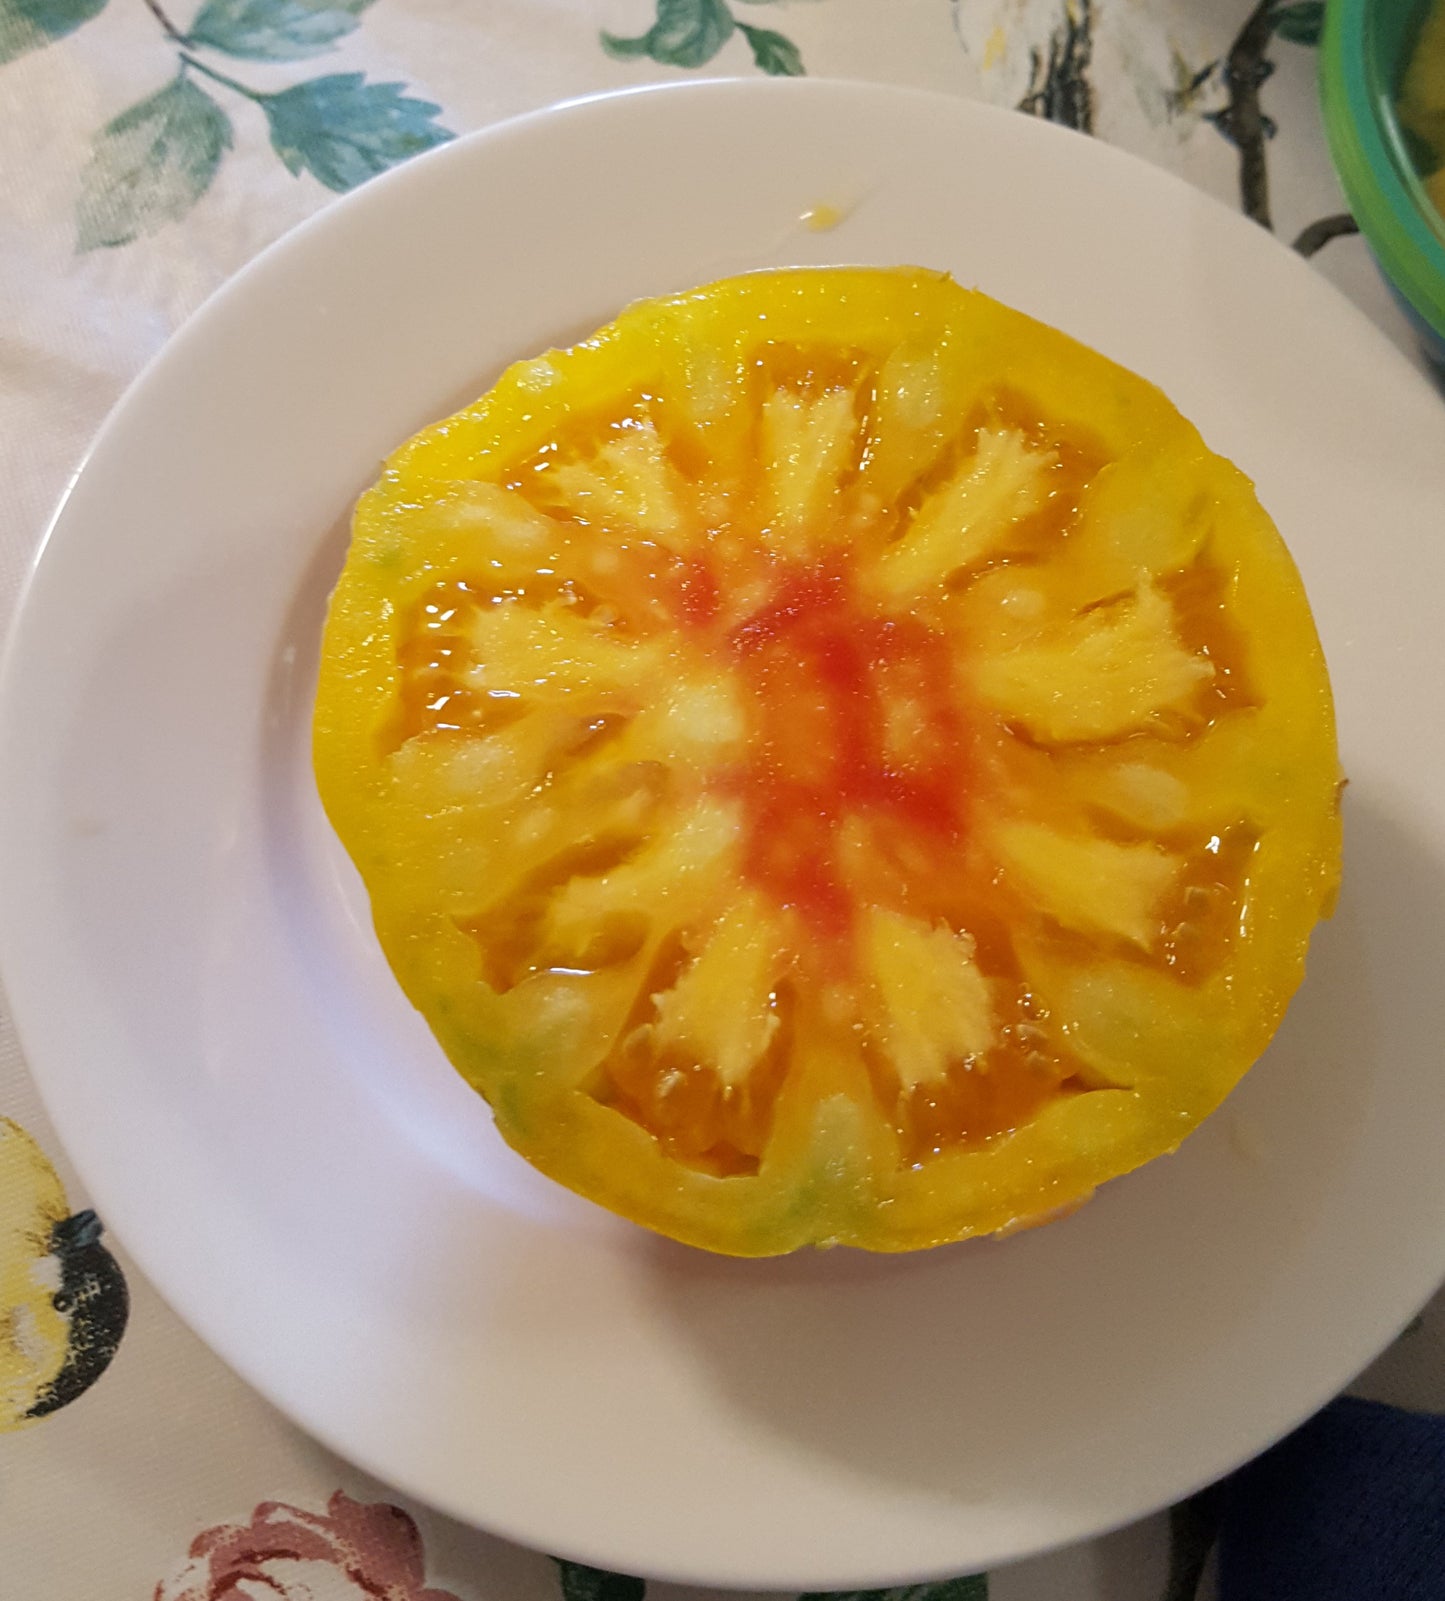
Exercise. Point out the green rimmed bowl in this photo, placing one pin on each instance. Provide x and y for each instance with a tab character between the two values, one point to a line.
1366	47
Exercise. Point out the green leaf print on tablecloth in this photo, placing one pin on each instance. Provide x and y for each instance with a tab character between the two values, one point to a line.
29	24
689	33
344	130
972	1587
1301	22
581	1583
773	52
151	164
275	30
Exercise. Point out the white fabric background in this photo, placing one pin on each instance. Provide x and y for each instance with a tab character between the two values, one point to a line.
102	1499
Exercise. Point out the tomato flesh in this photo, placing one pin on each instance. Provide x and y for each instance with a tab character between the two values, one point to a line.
818	669
833	761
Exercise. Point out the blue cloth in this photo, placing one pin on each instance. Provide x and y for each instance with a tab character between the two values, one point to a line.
1351	1507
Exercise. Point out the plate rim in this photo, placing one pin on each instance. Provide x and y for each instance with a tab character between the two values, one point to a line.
18	648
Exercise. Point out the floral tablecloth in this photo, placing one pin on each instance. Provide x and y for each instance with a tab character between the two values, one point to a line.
148	148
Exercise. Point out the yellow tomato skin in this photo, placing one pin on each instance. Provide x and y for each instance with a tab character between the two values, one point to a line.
1160	1055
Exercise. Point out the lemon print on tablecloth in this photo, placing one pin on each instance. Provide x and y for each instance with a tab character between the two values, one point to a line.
63	1297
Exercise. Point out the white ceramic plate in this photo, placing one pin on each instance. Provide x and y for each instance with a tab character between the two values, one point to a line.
275	1136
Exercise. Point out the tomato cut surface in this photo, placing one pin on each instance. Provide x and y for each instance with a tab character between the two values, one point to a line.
833	761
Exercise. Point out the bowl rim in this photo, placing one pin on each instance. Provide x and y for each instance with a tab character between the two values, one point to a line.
1388	202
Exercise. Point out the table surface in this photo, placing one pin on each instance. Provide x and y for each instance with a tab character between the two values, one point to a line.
136	175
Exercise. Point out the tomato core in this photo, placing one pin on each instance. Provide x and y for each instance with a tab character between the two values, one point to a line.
826	676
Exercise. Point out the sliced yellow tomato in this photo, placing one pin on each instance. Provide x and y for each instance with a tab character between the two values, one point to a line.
833	761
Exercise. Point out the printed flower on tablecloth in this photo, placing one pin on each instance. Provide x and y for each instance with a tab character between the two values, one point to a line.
354	1551
63	1297
1046	57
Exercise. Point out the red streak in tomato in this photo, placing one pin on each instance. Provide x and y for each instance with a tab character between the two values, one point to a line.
697	593
823	671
